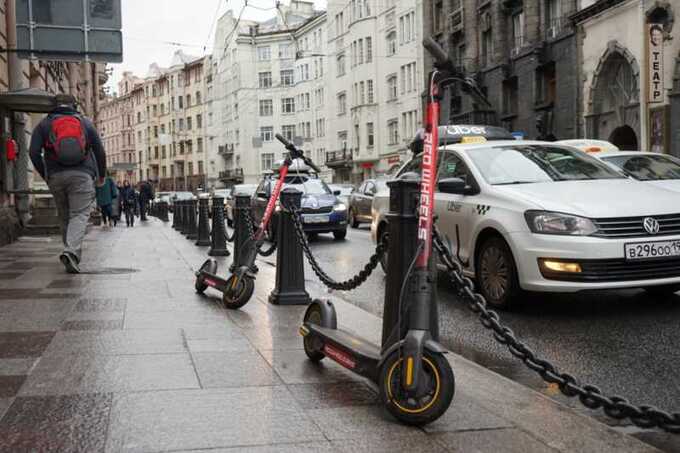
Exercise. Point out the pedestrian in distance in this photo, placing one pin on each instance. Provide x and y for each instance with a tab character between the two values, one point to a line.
145	195
67	152
129	200
106	198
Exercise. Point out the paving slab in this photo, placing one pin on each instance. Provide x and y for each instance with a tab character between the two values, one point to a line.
245	368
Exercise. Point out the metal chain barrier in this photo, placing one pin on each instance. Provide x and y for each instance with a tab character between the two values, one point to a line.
251	234
347	285
590	396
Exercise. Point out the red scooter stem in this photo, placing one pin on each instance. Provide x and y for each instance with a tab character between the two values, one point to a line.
428	178
271	204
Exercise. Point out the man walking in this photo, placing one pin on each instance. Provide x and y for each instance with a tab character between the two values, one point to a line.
145	195
68	154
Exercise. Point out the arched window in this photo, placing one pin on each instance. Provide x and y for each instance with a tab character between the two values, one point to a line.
617	85
391	43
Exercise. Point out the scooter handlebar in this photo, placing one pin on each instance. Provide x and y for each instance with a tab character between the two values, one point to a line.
297	153
309	162
283	140
440	56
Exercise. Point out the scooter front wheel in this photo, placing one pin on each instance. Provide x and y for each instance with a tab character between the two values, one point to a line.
436	389
313	315
238	293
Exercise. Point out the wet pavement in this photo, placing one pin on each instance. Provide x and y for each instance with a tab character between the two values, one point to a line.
126	357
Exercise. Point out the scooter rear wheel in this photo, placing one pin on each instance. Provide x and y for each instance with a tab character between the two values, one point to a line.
439	386
200	285
313	315
237	297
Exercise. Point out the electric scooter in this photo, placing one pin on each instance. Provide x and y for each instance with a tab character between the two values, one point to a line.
415	379
237	289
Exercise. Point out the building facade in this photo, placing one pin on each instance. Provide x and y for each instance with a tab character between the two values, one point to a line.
522	54
375	75
617	100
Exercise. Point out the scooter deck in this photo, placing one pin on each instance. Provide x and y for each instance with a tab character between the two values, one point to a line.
349	350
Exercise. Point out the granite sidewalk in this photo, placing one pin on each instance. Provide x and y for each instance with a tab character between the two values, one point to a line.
129	358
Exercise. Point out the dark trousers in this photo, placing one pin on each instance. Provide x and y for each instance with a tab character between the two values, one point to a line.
107	215
130	216
143	204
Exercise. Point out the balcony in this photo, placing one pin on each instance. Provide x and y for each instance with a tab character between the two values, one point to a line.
339	159
234	175
226	151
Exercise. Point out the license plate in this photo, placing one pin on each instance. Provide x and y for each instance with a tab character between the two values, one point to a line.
316	218
650	250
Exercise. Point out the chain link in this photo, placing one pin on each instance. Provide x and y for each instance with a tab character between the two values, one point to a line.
590	396
251	234
347	285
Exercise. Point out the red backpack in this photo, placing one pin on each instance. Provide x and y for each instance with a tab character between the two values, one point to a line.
67	142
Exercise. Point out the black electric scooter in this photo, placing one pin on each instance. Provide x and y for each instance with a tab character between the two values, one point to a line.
237	289
415	379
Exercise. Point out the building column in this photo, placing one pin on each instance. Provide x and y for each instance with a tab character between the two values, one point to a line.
674	98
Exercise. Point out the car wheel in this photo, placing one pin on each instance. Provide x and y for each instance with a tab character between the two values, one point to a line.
383	240
353	219
662	290
497	274
340	235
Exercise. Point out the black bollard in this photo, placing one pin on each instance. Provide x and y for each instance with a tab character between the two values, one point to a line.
290	270
175	220
185	217
218	243
403	229
163	211
203	238
241	228
179	210
192	231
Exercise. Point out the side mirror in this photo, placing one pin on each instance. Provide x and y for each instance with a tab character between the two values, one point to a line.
336	192
454	186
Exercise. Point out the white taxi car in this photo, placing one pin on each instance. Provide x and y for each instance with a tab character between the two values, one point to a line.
656	169
536	216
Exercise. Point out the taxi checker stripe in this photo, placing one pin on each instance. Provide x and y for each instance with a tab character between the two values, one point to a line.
482	209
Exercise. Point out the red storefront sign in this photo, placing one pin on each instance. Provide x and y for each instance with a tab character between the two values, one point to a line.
367	165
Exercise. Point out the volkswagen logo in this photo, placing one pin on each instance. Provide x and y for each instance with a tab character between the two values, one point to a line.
651	225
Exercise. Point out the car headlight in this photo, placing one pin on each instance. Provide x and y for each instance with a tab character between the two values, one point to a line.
543	222
340	207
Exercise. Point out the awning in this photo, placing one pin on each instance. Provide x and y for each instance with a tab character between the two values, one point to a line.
29	100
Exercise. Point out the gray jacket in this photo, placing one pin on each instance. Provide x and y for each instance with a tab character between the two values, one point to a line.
95	164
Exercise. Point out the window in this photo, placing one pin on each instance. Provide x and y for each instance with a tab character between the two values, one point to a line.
342	140
155	110
339	24
264	53
267	133
369	49
189	123
393	132
285	51
188	100
191	169
288	131
288	105
487	47
518	30
319	93
369	135
321	127
181	124
155	131
266	161
554	20
210	119
438	16
287	78
369	91
200	166
342	103
362	98
265	79
546	84
392	88
199	146
340	60
198	97
391	43
179	102
190	145
139	117
266	107
360	52
357	137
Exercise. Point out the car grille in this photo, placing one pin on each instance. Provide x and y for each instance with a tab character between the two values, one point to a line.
632	227
322	210
618	270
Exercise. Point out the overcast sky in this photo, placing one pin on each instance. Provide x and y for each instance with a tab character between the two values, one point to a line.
150	30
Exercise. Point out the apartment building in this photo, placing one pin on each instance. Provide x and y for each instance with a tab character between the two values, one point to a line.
269	79
522	54
376	77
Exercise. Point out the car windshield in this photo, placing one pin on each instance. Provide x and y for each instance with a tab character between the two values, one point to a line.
309	186
647	167
221	193
344	190
523	164
246	189
183	195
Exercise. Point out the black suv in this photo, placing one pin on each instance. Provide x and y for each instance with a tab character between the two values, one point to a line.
322	212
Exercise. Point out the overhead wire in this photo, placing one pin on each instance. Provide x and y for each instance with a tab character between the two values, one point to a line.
212	25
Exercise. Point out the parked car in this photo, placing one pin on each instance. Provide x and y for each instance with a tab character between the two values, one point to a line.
345	191
162	197
230	199
179	196
361	200
322	212
657	169
536	216
588	145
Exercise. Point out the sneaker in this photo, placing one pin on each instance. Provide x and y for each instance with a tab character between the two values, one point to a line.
70	263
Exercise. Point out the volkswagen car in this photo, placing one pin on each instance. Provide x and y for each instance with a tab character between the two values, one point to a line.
537	216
